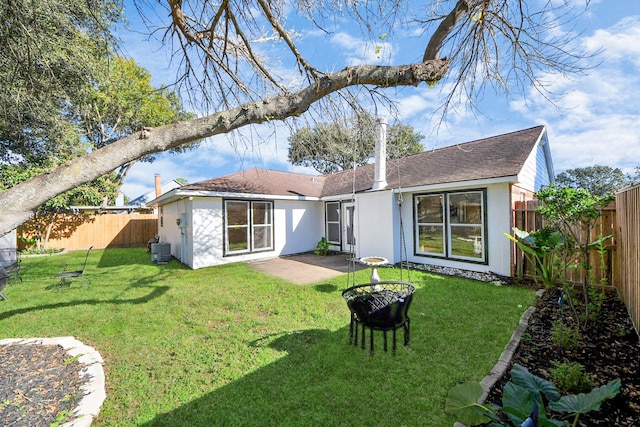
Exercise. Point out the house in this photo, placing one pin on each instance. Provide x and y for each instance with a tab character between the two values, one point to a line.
137	205
447	207
160	188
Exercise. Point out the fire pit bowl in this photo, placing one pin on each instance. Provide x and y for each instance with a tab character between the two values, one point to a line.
381	306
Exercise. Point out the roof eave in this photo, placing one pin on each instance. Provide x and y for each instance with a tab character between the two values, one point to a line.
175	195
544	140
510	179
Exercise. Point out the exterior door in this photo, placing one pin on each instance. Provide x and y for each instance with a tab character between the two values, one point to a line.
348	227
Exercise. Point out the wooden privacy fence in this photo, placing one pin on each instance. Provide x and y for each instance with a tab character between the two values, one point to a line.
628	254
526	218
81	231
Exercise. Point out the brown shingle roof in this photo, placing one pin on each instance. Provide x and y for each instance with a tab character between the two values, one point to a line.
494	157
263	181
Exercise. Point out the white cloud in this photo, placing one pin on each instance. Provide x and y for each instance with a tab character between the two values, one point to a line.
619	42
357	51
413	105
616	144
598	120
260	146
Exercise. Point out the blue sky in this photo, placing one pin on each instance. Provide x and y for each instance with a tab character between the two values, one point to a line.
596	121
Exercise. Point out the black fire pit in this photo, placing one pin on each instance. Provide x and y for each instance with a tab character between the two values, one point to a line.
381	306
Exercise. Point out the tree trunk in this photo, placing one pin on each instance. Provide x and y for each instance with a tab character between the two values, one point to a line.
50	223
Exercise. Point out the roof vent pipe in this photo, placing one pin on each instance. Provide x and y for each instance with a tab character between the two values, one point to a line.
380	176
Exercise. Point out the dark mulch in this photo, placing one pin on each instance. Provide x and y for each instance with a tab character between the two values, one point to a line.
609	350
39	385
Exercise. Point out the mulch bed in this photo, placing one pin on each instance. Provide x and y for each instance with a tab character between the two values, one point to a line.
39	385
609	350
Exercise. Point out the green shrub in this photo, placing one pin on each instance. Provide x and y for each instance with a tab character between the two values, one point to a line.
570	377
322	248
38	251
541	247
564	336
28	242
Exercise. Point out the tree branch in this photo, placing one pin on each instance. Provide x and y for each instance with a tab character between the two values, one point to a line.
18	203
254	59
283	33
444	30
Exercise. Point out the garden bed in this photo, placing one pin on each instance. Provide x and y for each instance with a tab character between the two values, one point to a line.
609	351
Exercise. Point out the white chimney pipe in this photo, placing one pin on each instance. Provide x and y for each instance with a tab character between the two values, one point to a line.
380	177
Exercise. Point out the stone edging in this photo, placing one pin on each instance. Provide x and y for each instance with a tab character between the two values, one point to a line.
501	366
94	387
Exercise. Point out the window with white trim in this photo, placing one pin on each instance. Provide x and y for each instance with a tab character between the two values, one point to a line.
451	225
248	226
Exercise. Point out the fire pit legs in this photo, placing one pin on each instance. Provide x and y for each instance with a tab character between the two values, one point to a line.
406	332
353	336
381	306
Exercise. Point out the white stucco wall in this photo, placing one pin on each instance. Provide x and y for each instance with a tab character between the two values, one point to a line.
206	232
498	223
298	225
171	233
374	225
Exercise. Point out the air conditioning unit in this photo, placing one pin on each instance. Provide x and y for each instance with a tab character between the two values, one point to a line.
160	253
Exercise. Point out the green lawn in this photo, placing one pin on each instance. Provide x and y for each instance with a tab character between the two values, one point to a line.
230	346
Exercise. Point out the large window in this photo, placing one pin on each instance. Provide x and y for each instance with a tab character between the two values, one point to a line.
451	225
248	226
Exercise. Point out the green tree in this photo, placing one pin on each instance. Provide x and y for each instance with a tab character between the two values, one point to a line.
574	213
47	217
66	109
404	141
635	177
335	146
231	55
50	53
125	102
597	180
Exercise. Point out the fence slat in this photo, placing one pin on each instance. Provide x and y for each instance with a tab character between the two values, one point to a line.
628	250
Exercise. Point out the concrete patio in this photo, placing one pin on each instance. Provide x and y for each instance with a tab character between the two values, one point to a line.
307	268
